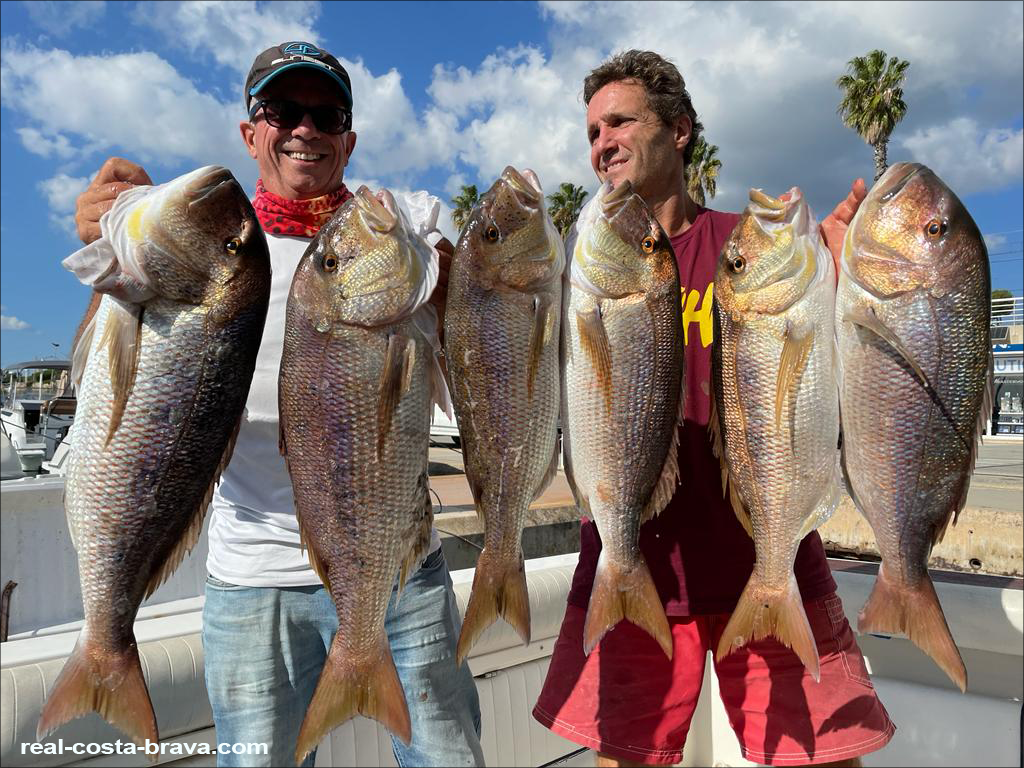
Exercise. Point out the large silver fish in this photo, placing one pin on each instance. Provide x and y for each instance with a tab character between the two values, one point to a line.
163	372
912	319
777	403
358	373
502	321
623	397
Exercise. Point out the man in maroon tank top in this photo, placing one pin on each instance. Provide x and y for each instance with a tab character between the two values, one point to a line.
626	700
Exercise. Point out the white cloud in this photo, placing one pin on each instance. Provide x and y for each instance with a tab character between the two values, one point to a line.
61	192
994	241
967	157
231	33
59	18
8	323
46	146
136	103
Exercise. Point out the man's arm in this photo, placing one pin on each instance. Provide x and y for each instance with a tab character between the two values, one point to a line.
116	175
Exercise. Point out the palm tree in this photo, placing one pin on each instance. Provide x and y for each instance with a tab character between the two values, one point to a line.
873	100
702	172
464	203
566	205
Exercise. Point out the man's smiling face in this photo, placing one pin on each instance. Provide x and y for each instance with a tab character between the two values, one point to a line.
629	141
302	162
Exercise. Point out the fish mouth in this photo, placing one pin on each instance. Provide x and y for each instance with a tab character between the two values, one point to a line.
901	174
615	199
525	185
206	182
381	211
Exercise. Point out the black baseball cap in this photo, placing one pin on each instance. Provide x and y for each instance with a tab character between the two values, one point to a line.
285	56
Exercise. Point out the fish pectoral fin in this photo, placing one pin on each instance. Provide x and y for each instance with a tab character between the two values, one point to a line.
122	336
795	350
540	336
594	340
867	318
395	377
80	355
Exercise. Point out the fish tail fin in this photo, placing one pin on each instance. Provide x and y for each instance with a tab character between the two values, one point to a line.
97	679
629	593
769	612
915	611
348	687
499	589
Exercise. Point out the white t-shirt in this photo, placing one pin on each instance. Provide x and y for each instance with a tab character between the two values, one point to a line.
254	534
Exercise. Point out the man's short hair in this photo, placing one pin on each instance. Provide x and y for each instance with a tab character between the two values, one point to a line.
666	90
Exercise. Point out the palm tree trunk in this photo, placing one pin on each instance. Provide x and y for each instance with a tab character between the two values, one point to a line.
881	158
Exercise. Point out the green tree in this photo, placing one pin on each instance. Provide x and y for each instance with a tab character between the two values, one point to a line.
1004	308
565	206
464	203
702	172
872	101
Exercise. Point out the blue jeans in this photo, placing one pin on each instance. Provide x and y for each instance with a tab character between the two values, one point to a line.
265	648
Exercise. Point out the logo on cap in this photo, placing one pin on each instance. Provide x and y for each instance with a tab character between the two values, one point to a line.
303	49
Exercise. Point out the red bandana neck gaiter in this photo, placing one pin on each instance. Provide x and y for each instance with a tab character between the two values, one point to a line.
296	218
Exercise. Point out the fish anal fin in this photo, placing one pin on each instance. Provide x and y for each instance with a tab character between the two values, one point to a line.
122	337
594	340
795	349
419	536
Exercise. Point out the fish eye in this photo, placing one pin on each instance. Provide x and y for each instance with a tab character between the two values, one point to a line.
330	263
232	245
491	233
737	264
647	244
936	228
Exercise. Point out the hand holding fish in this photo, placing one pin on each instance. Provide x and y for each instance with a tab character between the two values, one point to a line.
833	227
116	175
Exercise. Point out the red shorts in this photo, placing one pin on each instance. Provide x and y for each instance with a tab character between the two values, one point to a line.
629	701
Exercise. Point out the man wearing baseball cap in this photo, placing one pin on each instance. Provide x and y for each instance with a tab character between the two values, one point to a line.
268	621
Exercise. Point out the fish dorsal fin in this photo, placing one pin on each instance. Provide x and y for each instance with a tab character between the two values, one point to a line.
541	335
828	501
395	378
795	350
122	334
594	340
668	480
987	398
418	535
195	527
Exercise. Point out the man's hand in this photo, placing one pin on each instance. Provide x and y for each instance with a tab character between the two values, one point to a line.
834	226
116	175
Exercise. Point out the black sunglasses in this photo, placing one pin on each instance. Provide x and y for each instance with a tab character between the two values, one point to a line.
288	114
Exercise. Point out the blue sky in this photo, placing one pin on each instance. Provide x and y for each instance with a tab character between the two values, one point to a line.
450	93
